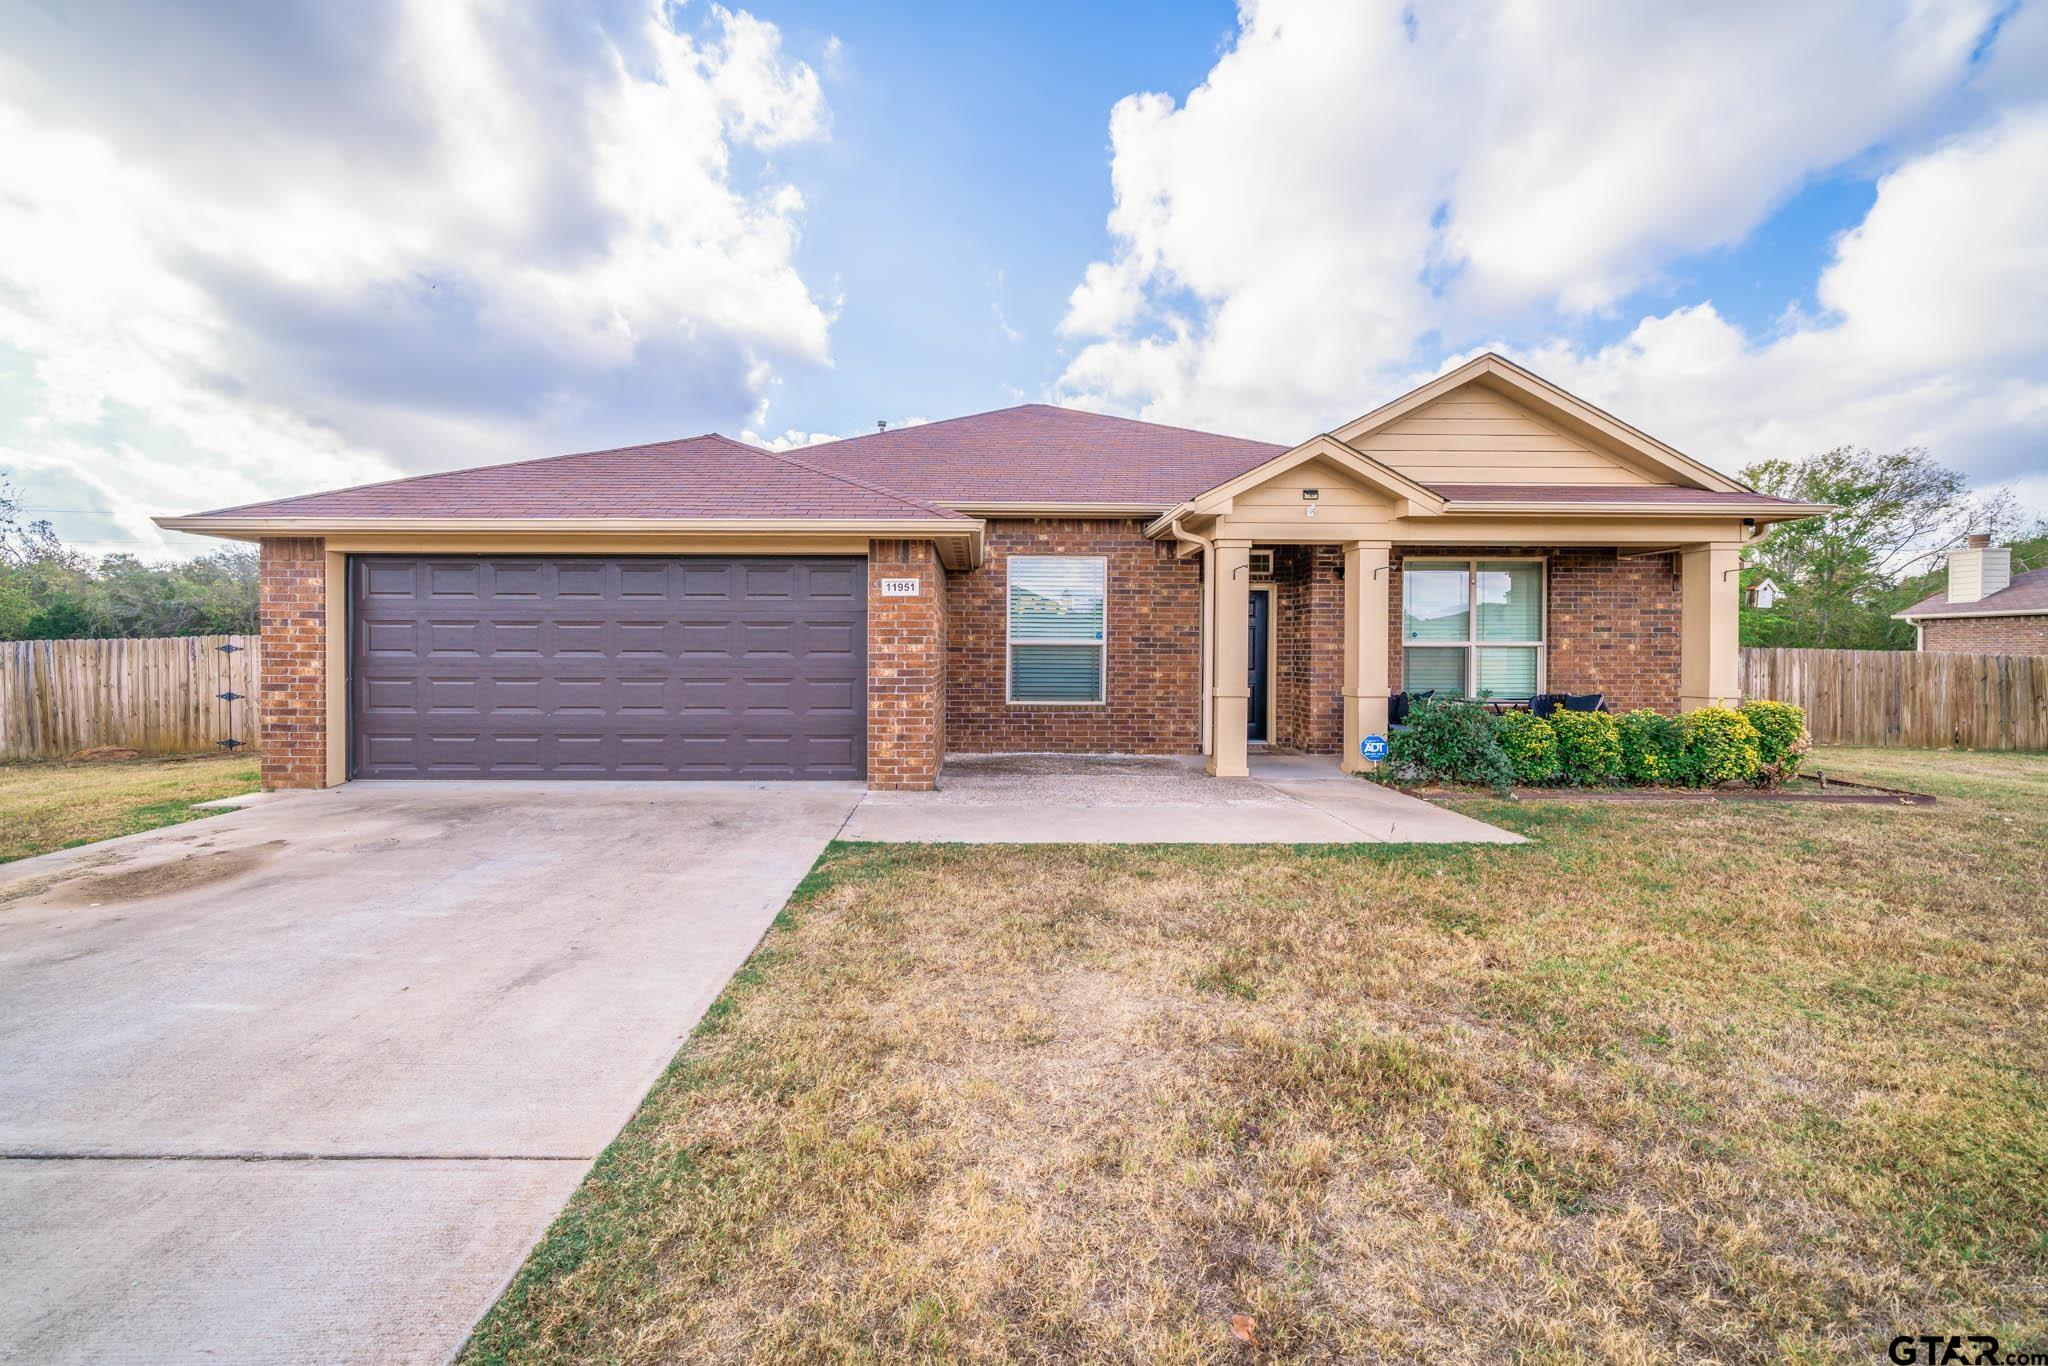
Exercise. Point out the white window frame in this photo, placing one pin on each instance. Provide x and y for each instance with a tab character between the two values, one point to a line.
1472	644
1009	672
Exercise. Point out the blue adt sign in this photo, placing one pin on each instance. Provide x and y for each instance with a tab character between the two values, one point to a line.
1373	747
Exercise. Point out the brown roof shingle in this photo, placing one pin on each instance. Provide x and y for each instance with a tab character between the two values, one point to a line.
1036	453
2028	593
698	477
1648	495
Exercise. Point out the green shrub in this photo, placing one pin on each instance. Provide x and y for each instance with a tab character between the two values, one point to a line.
1530	746
1650	745
1588	750
1781	739
1720	747
1449	742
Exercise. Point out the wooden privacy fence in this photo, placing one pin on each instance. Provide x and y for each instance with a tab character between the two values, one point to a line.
159	696
1923	700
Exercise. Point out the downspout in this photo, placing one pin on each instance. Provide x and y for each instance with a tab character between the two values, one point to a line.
1208	548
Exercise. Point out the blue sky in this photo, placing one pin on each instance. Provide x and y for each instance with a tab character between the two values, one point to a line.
248	256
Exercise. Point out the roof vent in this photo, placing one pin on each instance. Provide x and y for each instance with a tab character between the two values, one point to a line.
1978	570
881	424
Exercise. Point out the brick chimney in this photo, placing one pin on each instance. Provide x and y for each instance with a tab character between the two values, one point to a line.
1978	570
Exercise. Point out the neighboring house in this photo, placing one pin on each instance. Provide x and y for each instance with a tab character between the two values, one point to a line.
1031	579
1986	608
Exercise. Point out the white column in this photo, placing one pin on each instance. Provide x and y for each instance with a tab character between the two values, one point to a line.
1710	615
1229	685
1366	577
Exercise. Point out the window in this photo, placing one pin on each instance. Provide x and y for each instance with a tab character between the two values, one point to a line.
1472	628
1058	616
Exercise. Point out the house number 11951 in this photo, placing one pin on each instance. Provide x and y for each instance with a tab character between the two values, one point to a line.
899	588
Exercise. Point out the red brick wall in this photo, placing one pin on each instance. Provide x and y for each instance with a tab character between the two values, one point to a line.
292	686
906	667
1308	653
1987	635
1155	668
1612	625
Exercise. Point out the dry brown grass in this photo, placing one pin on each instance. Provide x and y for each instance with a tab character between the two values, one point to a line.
57	805
1731	1082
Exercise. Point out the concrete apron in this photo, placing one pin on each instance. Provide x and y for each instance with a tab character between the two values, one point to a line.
1093	799
305	1081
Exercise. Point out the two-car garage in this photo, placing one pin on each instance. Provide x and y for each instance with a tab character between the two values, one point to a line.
633	666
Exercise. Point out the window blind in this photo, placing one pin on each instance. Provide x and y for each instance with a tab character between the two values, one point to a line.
1435	603
1510	601
1057	626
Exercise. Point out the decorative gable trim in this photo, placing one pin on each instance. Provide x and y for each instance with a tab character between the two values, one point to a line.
1410	498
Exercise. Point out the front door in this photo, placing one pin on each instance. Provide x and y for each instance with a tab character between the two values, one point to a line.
1258	667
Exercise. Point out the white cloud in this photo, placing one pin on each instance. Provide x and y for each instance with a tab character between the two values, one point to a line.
1936	332
1356	191
327	247
792	439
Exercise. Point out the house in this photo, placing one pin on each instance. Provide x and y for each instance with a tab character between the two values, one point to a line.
1033	579
1763	594
1986	608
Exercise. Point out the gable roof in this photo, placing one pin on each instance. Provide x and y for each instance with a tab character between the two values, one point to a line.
1498	373
1359	465
1032	458
2025	596
699	478
1037	455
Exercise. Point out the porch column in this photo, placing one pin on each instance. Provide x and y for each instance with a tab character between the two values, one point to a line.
1366	577
1229	684
1710	594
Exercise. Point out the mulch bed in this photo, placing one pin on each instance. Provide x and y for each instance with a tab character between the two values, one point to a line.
1815	787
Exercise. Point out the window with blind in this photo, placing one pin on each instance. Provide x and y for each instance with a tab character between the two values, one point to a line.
1058	625
1472	628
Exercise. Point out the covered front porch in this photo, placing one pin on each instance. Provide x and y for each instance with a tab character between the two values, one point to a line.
1323	634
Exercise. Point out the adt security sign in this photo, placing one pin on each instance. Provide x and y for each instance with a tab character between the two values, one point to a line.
1373	747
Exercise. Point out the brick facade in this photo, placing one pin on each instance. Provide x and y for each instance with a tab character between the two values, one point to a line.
1154	668
1308	648
292	685
1612	626
1986	635
906	668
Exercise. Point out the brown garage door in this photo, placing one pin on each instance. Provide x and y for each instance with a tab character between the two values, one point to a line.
626	667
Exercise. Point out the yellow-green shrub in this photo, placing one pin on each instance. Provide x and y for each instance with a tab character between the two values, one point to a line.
1588	749
1782	740
1650	746
1530	745
1720	746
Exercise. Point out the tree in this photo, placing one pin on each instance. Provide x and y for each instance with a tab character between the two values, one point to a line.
51	592
1839	573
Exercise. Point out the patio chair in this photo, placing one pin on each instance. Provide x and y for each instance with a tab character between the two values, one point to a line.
1399	703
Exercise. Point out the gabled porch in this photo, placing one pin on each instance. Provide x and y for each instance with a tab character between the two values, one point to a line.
1412	550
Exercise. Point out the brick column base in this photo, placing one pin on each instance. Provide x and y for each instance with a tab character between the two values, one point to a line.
292	686
906	666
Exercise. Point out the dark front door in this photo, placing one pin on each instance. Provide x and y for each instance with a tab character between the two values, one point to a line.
632	666
1258	667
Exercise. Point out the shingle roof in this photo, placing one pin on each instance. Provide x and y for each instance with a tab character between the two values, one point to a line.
1036	453
2027	593
701	476
1649	495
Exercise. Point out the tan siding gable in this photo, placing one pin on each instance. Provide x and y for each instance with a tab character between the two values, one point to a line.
1276	511
1471	436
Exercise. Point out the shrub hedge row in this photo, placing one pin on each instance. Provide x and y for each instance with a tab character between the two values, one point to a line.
1463	742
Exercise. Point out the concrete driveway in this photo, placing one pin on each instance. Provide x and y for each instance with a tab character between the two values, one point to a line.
305	1081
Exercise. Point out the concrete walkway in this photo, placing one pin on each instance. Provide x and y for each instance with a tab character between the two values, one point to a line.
305	1081
1058	799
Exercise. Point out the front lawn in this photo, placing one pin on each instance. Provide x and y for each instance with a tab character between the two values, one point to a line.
1734	1080
57	805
